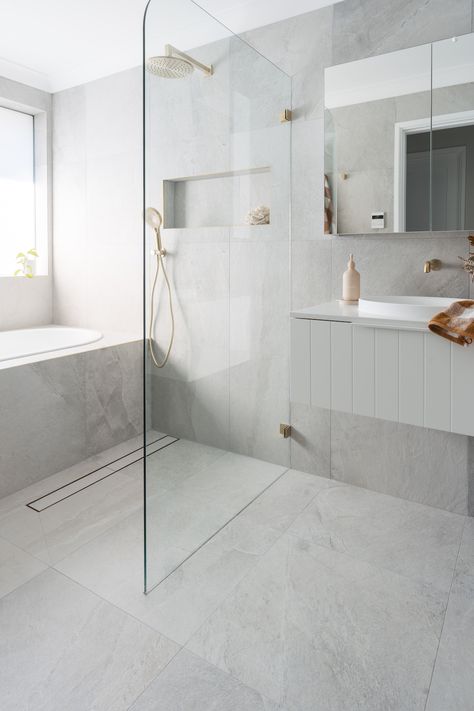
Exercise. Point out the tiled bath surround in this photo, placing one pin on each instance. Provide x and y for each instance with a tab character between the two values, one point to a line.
54	413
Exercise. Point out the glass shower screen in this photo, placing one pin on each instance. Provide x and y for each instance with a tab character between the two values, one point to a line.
216	292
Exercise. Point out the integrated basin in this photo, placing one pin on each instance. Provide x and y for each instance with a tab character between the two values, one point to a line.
416	308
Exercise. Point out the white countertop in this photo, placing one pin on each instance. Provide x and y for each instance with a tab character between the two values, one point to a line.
337	311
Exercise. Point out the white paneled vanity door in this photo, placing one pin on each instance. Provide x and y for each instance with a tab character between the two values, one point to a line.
405	376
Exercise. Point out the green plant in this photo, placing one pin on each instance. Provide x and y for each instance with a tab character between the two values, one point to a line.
23	260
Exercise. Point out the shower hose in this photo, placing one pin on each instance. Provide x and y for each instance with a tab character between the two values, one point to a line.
160	253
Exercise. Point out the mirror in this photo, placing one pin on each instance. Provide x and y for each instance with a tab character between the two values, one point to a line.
399	141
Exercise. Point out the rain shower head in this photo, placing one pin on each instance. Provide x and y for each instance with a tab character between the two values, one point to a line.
169	67
175	64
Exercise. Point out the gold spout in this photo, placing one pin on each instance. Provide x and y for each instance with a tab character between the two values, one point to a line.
432	265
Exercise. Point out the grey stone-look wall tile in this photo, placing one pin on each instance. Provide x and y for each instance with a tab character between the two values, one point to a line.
58	412
394	265
307	184
311	439
113	395
367	27
42	421
311	272
195	410
301	46
415	463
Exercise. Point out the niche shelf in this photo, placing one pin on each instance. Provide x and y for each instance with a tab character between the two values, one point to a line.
215	199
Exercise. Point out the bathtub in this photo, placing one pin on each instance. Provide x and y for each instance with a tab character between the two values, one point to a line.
26	342
66	394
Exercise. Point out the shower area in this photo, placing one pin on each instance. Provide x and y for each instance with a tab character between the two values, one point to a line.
217	143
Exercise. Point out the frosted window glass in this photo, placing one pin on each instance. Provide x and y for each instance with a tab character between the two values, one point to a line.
17	187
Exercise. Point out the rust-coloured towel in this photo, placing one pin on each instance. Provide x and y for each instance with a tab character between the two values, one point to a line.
456	323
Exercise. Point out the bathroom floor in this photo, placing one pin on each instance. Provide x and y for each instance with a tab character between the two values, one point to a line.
317	596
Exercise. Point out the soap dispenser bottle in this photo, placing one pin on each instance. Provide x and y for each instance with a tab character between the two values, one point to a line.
351	282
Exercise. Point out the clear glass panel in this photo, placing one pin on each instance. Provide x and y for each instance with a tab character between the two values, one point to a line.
452	166
217	169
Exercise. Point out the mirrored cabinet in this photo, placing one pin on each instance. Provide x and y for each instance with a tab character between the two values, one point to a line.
399	141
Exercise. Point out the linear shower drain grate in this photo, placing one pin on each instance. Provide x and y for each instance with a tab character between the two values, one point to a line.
96	475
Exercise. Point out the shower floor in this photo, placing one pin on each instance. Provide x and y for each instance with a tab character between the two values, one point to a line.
275	591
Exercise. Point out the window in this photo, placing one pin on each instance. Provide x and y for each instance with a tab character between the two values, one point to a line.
17	188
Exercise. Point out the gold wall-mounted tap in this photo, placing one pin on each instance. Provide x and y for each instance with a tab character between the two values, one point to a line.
432	265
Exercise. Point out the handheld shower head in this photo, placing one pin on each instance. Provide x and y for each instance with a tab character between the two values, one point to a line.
153	218
175	64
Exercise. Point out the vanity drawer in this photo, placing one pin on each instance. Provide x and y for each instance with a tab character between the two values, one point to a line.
405	376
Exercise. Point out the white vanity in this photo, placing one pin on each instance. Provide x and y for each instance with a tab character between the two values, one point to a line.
380	360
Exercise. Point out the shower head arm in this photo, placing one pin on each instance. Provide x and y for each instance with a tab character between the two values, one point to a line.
171	51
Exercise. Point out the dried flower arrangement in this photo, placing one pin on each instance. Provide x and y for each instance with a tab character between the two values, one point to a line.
469	260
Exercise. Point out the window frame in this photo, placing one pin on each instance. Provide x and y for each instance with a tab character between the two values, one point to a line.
42	180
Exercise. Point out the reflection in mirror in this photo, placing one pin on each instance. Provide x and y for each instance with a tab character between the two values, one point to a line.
452	157
374	107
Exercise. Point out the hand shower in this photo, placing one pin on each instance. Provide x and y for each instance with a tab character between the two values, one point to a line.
154	220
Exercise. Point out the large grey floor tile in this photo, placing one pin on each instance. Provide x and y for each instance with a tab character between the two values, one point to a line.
16	567
317	630
174	518
408	538
270	514
452	686
190	683
180	461
22	527
82	517
62	647
179	605
232	481
112	564
60	529
109	565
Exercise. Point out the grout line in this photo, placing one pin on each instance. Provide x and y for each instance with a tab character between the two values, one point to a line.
216	532
257	559
107	530
130	708
286	532
444	617
115	523
113	604
244	684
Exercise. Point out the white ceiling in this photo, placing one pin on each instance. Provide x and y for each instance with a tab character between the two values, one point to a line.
56	44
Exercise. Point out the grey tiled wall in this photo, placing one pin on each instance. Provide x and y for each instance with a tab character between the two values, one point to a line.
415	463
